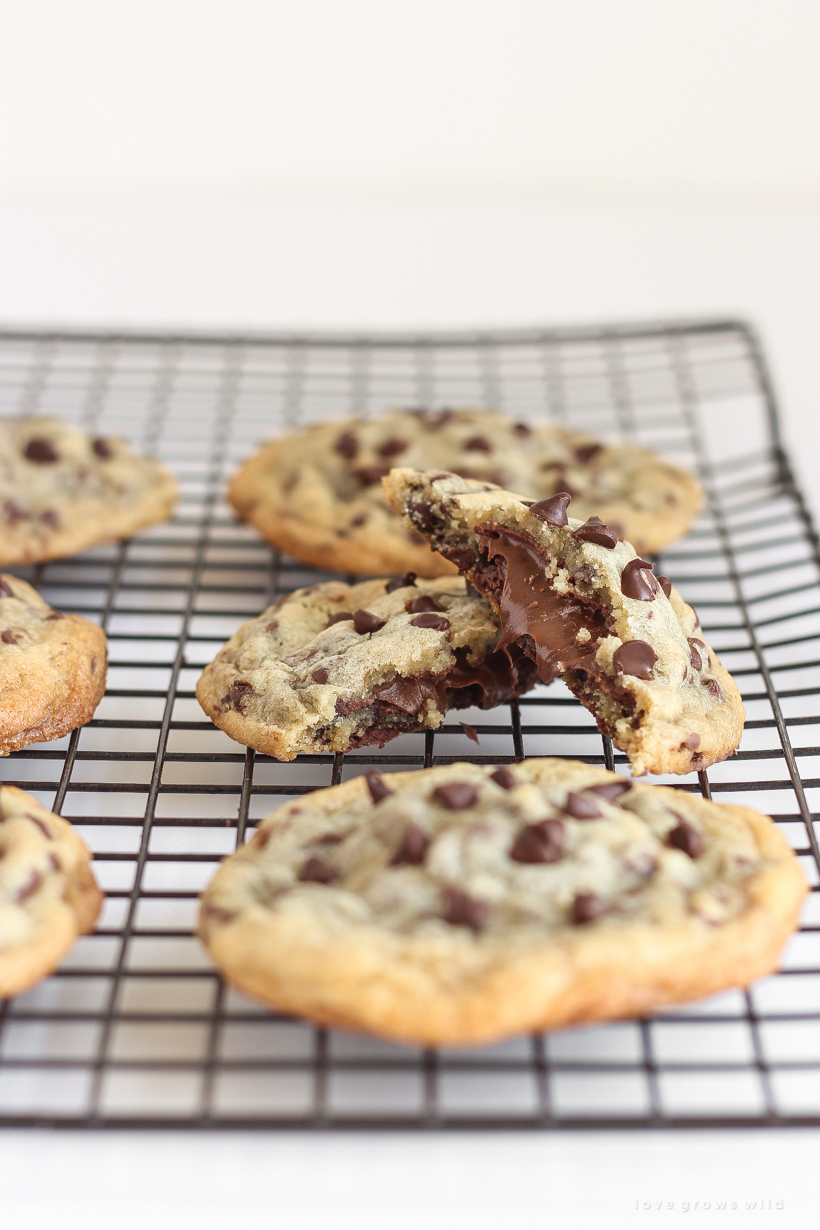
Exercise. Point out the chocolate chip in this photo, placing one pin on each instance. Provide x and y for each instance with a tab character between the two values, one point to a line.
637	581
406	578
713	688
11	636
50	517
424	603
610	791
413	847
522	429
505	778
368	475
477	444
273	626
470	731
635	658
54	863
421	514
665	584
102	448
694	656
316	871
319	675
580	807
595	531
13	512
41	451
239	690
539	843
41	825
5	589
431	620
553	510
462	557
339	618
30	887
456	796
347	445
376	786
392	447
357	521
691	741
684	836
366	621
585	452
55	615
587	907
464	911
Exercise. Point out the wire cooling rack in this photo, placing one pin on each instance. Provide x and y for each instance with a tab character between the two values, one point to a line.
136	1028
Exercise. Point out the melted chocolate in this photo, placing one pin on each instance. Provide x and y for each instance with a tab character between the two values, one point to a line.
532	609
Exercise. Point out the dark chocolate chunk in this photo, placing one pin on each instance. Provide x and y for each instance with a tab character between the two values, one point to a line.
635	658
102	448
694	656
580	807
319	675
505	778
421	514
42	451
539	843
366	621
392	447
587	907
585	452
684	836
464	911
413	847
316	871
13	512
239	690
347	445
522	429
713	688
30	887
406	578
595	531
665	584
368	475
377	787
430	620
609	790
553	510
456	796
637	581
470	731
425	602
478	444
339	618
5	589
462	557
11	636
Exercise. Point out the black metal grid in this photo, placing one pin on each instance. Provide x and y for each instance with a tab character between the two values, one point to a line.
136	1028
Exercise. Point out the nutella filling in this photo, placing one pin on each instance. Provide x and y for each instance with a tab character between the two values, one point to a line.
563	628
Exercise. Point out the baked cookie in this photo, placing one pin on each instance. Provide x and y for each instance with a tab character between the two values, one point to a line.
48	894
62	491
336	667
52	668
461	904
316	494
584	605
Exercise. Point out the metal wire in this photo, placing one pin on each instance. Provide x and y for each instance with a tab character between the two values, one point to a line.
136	1028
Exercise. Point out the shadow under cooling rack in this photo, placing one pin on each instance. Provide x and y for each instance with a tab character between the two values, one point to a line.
136	1028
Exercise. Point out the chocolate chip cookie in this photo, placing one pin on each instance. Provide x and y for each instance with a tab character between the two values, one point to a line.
62	490
581	603
48	895
462	904
335	667
52	668
316	493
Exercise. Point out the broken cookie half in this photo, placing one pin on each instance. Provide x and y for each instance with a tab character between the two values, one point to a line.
581	604
336	667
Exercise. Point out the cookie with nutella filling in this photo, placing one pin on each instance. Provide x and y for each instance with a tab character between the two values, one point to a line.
336	667
48	895
582	604
63	490
52	668
462	904
315	492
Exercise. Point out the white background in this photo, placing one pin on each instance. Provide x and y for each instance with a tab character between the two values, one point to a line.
369	163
